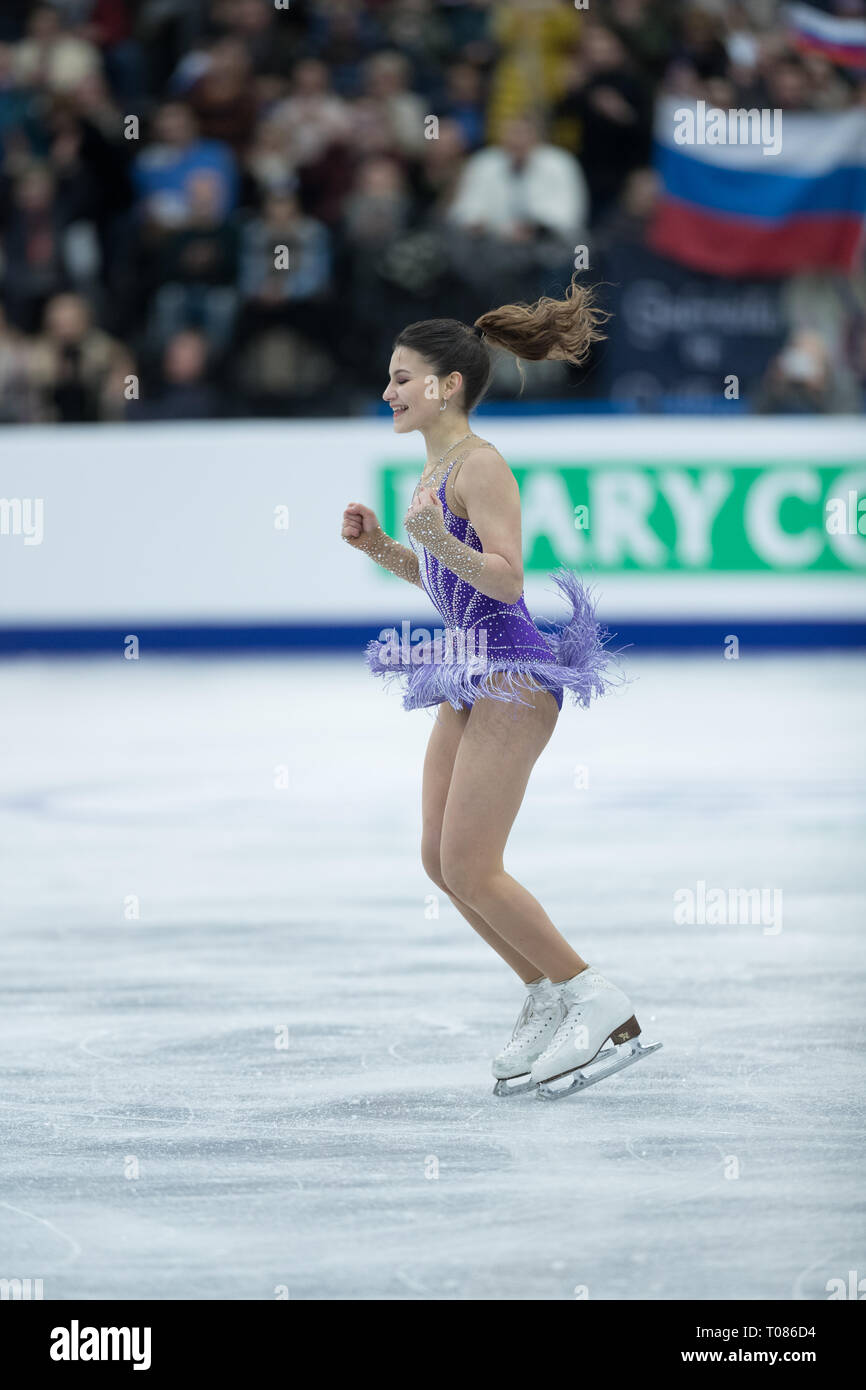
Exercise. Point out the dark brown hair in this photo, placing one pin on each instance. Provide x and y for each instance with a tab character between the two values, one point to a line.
560	329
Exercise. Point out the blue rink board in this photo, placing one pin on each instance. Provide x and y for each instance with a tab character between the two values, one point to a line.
299	638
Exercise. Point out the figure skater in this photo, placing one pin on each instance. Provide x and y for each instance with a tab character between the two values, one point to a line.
497	679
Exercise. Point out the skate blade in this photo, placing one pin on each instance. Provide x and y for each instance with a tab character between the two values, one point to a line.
604	1065
514	1085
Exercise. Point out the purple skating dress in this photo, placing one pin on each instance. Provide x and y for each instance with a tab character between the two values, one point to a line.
484	637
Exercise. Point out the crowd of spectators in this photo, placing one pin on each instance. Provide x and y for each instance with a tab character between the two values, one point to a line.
229	206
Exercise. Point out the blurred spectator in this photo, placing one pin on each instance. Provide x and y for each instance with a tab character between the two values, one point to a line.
167	31
833	305
470	29
18	400
699	51
35	266
788	86
377	214
647	28
609	105
285	275
110	26
308	133
282	373
268	162
801	381
307	250
440	170
518	212
830	91
163	170
51	57
308	127
534	37
187	391
627	221
197	269
78	371
90	158
342	33
522	189
379	207
272	36
387	118
222	97
415	29
464	103
19	106
312	118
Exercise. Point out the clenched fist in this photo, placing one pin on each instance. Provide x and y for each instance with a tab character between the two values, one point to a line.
359	522
425	518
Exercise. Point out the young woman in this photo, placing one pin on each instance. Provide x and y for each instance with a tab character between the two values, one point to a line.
500	692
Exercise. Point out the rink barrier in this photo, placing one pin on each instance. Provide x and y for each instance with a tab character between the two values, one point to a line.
303	639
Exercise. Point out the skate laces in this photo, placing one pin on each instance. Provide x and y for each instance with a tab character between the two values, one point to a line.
525	1014
533	1018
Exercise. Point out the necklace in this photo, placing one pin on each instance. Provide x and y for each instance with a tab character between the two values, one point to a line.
425	482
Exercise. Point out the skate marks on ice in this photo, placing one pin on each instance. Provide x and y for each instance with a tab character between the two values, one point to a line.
369	1158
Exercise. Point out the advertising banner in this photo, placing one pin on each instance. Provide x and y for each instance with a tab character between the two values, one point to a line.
193	526
681	333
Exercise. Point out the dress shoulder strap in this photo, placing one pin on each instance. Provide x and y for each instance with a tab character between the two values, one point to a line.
459	460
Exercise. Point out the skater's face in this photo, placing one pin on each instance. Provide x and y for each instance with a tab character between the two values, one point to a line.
414	392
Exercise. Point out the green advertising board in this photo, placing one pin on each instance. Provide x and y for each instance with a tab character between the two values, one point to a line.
716	517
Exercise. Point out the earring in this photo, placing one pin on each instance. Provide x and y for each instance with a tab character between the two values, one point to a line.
443	405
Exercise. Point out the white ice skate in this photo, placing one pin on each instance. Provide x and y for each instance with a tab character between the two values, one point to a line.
596	1012
539	1019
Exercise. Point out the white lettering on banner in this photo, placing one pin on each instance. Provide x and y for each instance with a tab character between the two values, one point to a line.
849	545
761	518
215	568
695	503
620	504
547	510
651	310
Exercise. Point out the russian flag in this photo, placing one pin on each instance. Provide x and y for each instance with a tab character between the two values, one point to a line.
842	41
764	193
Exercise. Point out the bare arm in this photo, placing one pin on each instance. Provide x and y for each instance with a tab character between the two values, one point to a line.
487	491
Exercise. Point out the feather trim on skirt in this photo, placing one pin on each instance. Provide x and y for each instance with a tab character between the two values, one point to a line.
579	662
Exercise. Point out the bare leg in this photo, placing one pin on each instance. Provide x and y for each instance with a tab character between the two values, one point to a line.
494	758
438	764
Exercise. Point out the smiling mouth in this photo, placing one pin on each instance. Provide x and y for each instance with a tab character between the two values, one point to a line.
399	409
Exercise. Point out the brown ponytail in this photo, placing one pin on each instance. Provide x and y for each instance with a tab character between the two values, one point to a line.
551	328
562	329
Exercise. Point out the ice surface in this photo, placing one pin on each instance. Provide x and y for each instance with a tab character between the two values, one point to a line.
159	1142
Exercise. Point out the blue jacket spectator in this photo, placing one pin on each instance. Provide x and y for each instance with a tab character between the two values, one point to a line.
307	244
163	170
